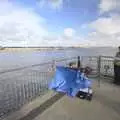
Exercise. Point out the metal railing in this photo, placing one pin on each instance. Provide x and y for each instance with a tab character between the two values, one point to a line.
22	85
107	66
101	65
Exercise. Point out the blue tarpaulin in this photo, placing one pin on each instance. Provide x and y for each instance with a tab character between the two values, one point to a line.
69	81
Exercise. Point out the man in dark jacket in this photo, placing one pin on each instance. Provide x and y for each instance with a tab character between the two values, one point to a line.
117	67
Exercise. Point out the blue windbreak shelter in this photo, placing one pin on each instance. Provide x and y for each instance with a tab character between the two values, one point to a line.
69	81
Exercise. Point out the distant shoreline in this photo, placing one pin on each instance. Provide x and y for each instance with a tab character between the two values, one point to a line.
26	49
32	49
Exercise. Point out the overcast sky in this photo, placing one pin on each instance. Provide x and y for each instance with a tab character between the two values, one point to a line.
59	22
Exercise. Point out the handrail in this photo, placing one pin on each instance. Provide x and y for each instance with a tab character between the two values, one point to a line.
35	65
107	57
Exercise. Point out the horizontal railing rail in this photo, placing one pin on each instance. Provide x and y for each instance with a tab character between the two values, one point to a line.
35	65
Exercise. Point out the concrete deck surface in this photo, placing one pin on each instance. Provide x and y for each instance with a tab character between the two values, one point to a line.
104	106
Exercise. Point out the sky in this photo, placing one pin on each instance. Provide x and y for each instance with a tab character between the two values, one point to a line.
60	23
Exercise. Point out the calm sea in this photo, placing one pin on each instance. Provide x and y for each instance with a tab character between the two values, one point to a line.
16	60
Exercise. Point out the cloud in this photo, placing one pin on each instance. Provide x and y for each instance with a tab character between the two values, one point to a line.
54	4
23	27
106	31
19	26
107	25
109	5
100	39
67	38
69	32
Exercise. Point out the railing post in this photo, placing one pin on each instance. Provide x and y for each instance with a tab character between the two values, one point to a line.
81	61
99	73
53	65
